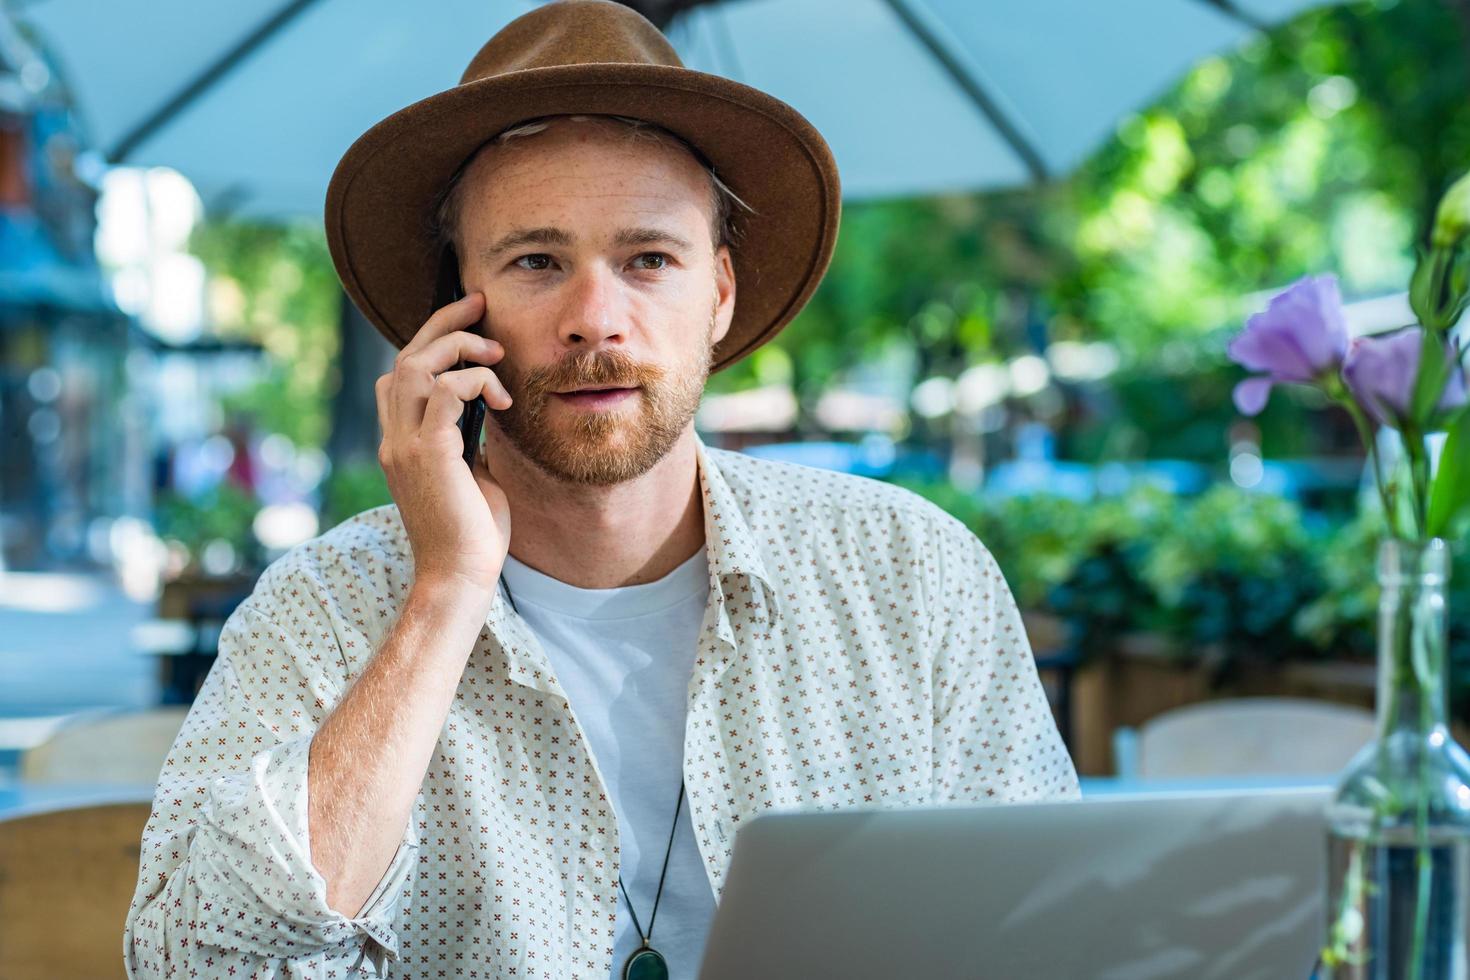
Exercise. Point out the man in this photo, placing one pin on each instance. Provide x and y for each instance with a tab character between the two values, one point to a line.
442	742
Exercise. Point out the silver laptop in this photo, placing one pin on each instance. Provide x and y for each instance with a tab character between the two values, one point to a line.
1220	884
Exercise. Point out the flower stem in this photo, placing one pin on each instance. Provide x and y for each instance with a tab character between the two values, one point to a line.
1415	667
1419	476
1370	445
1428	688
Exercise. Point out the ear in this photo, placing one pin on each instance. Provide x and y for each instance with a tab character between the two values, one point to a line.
724	293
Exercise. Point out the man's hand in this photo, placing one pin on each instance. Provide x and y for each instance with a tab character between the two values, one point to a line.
457	518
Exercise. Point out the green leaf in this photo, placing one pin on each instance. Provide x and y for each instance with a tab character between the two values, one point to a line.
1449	498
1434	374
1423	284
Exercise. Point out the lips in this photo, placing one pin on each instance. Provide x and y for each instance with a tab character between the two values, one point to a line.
596	399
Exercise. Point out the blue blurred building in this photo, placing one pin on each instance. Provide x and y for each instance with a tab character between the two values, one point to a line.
64	445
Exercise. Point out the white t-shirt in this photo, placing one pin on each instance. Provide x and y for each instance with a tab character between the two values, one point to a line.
625	657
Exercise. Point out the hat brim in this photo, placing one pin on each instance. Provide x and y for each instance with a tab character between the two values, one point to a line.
381	195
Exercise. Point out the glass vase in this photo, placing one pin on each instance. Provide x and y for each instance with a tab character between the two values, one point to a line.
1398	826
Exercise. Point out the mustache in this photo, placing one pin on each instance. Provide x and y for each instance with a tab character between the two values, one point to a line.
604	369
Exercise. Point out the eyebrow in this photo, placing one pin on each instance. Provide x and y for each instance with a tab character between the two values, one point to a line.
519	237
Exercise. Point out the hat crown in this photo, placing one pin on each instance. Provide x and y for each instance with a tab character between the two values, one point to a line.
572	32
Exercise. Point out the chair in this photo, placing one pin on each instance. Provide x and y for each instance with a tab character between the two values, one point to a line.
126	747
66	880
1269	736
200	606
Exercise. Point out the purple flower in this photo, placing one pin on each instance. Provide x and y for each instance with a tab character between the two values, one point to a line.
1300	337
1381	370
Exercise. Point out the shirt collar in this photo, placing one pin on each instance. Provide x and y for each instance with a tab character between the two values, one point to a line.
729	541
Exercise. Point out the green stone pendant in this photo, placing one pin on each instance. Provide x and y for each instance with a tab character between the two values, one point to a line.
645	963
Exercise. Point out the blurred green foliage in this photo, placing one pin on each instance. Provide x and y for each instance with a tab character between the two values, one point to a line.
226	512
1225	575
352	488
275	285
1226	567
1233	567
1343	616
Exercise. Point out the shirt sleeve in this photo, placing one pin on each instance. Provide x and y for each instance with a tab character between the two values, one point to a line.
995	740
226	883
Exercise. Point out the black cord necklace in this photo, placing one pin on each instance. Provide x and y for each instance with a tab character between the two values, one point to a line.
645	962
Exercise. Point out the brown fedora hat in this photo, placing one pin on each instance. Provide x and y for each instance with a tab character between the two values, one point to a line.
594	57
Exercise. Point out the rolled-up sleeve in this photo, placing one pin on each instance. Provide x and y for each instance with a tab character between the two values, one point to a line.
995	739
226	886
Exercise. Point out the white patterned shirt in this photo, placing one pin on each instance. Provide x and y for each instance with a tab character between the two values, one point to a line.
860	648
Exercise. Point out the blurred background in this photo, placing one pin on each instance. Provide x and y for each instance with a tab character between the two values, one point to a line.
1054	219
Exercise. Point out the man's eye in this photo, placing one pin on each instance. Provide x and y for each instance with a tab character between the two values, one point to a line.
533	255
657	255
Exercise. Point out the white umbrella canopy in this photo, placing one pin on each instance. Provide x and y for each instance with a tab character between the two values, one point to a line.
256	100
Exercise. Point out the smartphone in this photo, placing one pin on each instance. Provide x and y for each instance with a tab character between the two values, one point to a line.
473	416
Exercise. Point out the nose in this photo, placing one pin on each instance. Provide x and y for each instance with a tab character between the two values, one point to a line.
593	317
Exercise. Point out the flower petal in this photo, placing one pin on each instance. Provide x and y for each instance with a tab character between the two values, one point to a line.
1266	346
1301	335
1380	371
1326	342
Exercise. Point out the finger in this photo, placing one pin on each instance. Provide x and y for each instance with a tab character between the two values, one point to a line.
453	388
454	316
413	376
443	353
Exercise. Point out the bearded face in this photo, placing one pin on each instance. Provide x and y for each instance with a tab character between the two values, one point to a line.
607	437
